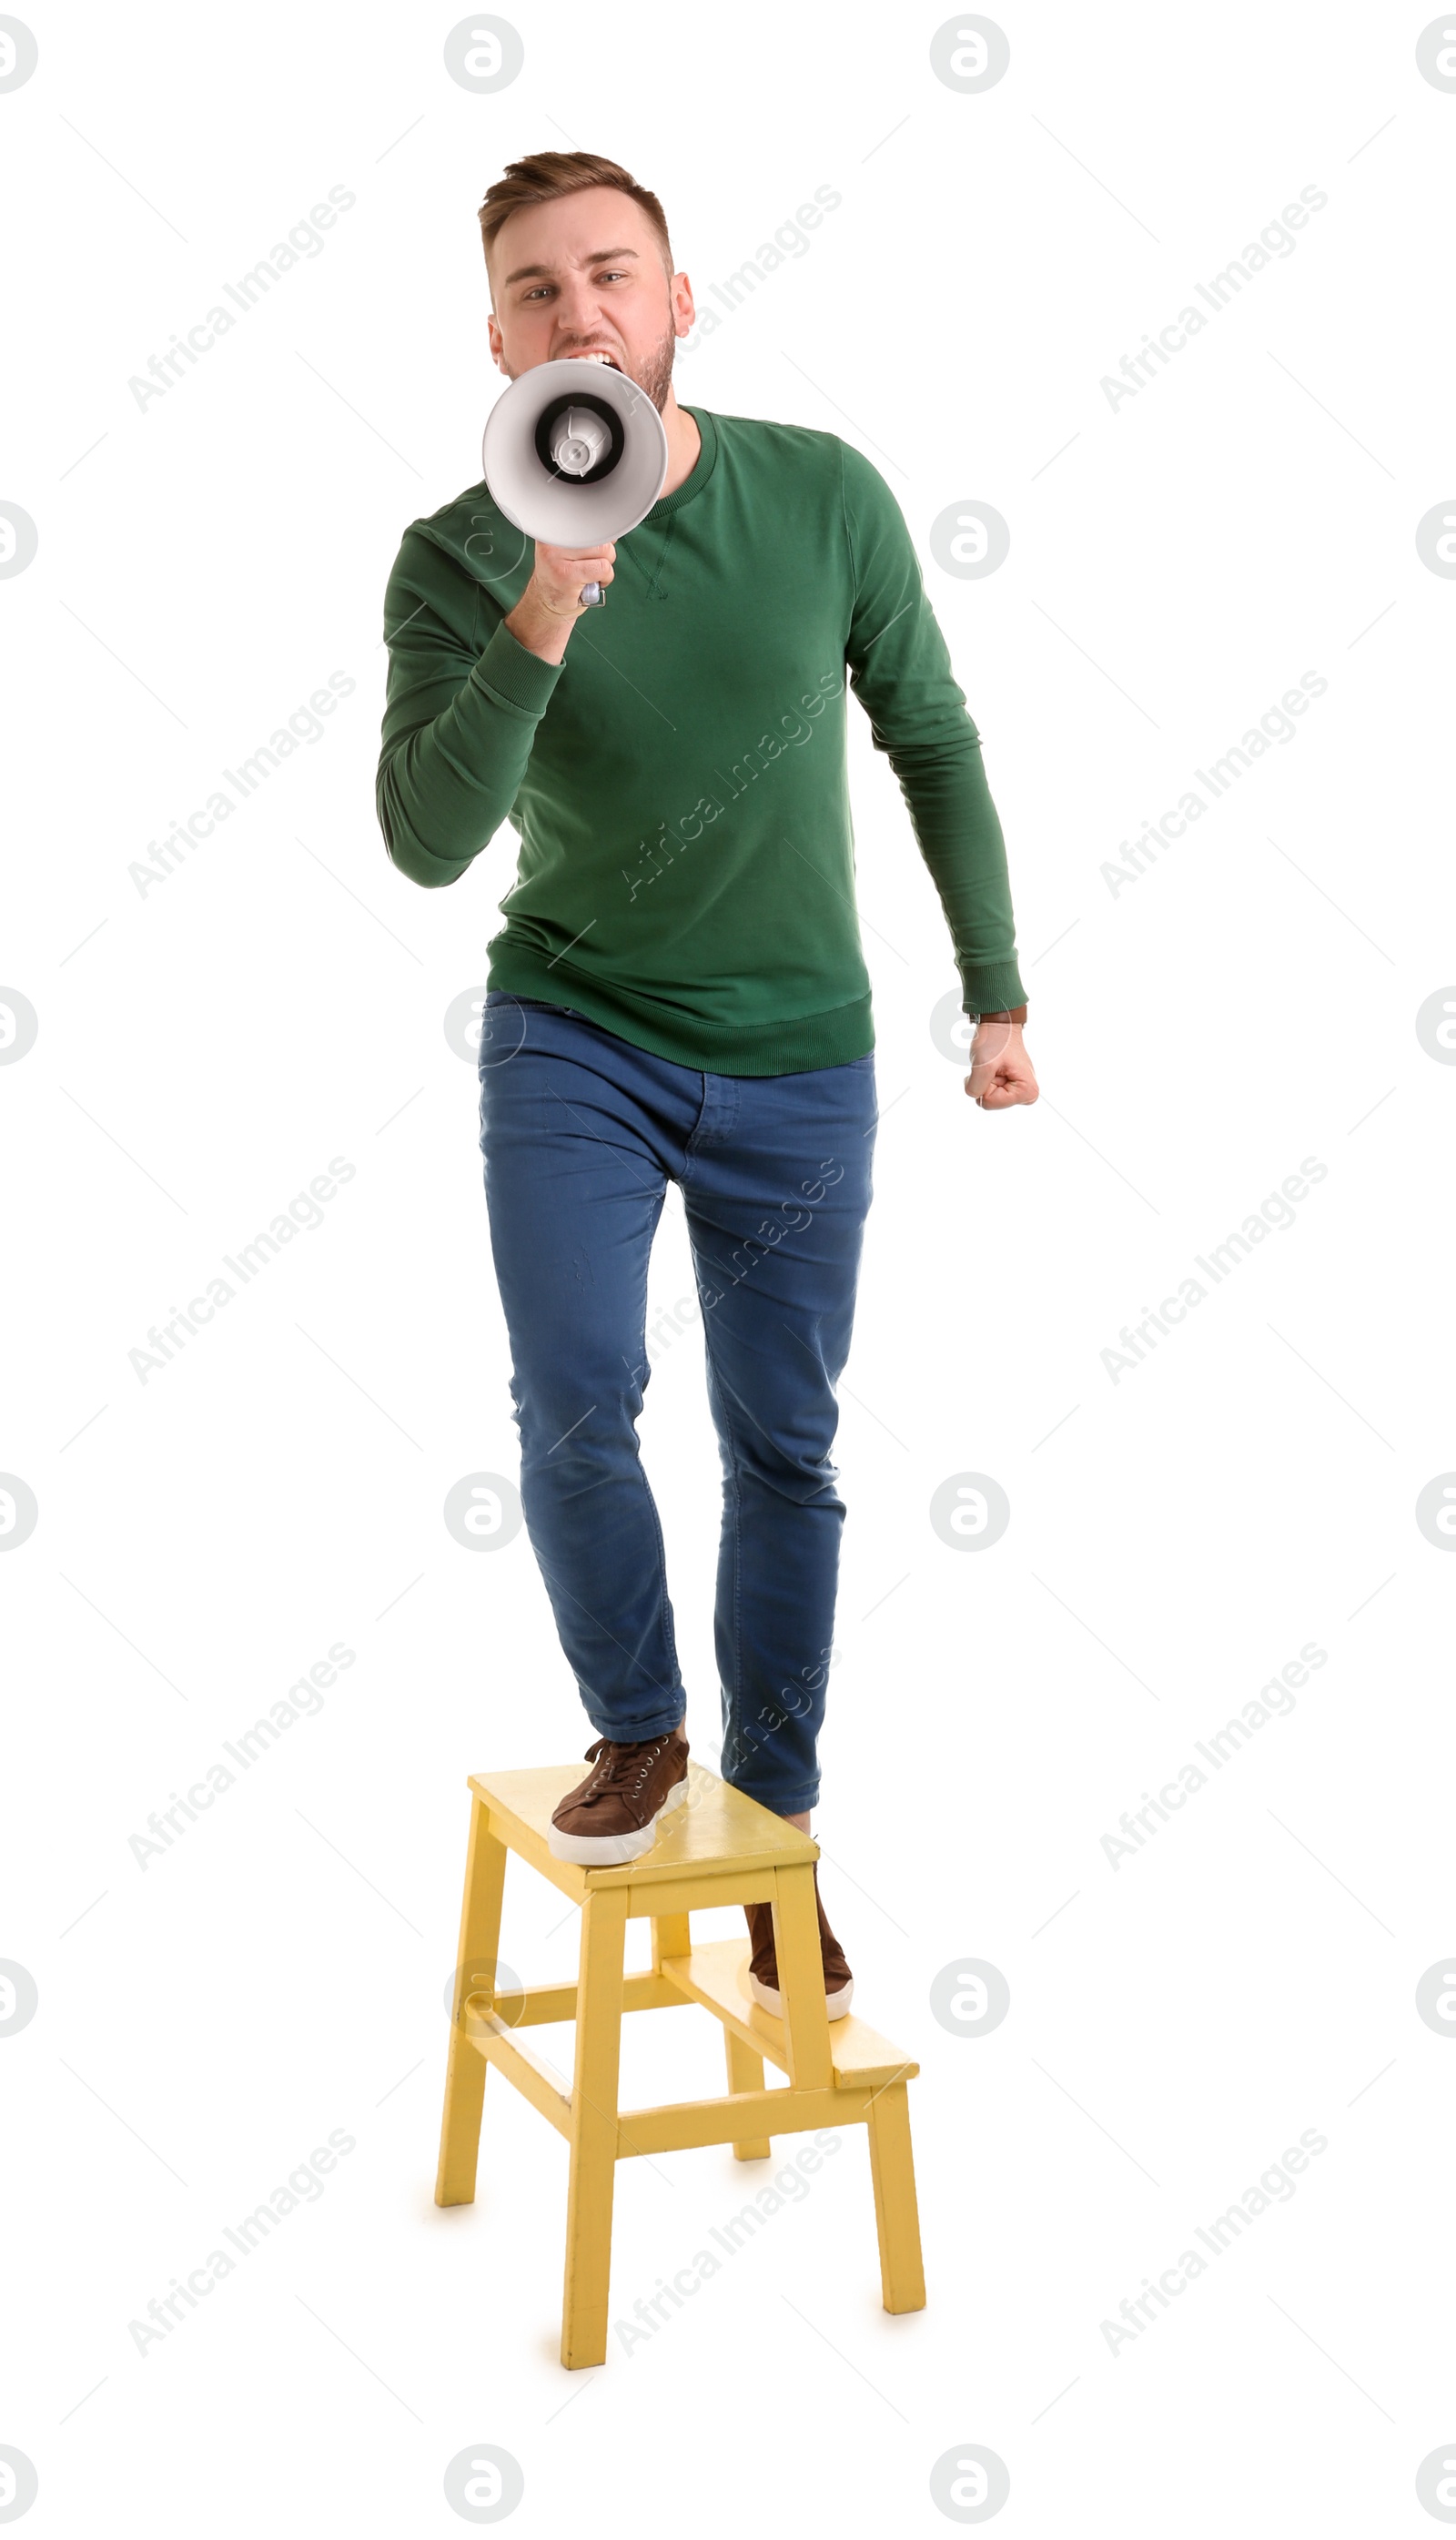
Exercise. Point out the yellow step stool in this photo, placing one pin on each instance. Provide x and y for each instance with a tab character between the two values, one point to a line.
718	1848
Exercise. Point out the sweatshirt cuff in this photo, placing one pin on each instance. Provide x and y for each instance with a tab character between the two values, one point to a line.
994	989
514	676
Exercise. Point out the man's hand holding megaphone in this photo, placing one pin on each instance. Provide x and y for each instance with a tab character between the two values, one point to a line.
574	450
551	602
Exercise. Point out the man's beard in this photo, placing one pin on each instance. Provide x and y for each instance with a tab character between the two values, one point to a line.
654	378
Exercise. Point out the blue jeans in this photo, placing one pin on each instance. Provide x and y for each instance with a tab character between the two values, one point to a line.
580	1132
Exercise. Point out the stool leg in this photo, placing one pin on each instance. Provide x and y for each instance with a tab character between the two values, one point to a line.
896	2214
593	2130
475	1968
672	1937
745	2073
801	1979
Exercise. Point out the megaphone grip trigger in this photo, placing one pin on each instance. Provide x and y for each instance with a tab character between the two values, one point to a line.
593	596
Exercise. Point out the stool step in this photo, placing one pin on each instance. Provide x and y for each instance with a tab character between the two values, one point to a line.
718	1831
716	1974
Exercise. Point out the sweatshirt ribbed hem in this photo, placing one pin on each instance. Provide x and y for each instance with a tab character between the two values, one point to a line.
784	1049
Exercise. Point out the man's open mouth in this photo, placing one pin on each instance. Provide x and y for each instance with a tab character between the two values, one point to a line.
595	355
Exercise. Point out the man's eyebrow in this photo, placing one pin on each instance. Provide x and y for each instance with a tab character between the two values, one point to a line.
535	272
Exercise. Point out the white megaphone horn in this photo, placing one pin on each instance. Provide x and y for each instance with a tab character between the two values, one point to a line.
575	452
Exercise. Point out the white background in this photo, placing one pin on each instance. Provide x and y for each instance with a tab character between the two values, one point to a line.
204	1049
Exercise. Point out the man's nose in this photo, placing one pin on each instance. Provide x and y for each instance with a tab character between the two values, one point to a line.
575	312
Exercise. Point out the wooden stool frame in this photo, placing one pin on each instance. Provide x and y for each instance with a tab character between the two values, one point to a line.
718	1848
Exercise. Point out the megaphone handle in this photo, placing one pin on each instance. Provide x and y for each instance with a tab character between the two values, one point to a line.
593	596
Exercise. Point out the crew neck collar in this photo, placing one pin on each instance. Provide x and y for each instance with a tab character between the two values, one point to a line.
702	465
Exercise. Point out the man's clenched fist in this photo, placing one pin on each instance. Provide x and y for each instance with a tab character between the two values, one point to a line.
1000	1070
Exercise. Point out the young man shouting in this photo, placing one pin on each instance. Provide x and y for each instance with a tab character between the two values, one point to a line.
678	991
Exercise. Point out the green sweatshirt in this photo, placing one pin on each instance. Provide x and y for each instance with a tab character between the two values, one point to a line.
687	873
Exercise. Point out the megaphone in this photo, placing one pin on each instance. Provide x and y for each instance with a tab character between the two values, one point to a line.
575	452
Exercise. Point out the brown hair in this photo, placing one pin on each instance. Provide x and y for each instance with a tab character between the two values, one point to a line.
547	175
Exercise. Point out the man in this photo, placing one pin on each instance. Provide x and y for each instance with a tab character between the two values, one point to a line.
678	991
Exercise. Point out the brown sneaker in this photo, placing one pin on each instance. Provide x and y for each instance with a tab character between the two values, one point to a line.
613	1815
763	1964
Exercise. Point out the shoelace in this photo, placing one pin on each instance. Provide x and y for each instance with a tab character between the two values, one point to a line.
617	1771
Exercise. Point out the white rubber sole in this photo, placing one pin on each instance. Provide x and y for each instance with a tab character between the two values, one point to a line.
769	1997
604	1851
